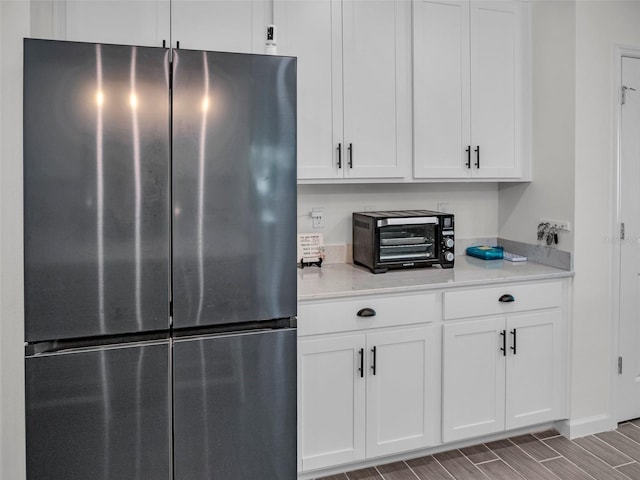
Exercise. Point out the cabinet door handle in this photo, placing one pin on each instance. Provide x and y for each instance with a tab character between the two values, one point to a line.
373	363
366	312
361	368
513	347
507	298
478	156
503	348
468	150
339	155
350	155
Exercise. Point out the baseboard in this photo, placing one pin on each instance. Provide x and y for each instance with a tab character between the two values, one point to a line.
581	427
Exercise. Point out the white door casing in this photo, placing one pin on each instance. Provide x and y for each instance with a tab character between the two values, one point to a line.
628	394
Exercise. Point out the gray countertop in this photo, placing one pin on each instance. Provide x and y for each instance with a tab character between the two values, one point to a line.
344	280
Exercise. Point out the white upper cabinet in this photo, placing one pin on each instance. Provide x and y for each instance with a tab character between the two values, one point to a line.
219	25
470	88
125	22
441	67
310	31
354	88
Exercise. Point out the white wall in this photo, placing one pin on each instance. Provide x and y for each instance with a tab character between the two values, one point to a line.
474	205
551	195
14	25
599	25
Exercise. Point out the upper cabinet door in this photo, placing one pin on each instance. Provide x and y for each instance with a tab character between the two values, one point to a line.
496	88
354	84
96	189
376	46
441	77
144	23
470	88
311	31
219	25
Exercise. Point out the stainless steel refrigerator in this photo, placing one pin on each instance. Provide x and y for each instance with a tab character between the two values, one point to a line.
160	287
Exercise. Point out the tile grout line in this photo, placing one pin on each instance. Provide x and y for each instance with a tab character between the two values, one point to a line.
625	464
375	467
593	455
614	448
463	455
486	461
411	469
531	456
637	443
444	468
547	459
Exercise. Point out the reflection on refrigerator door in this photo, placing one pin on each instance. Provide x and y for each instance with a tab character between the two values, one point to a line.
96	189
235	406
99	414
234	188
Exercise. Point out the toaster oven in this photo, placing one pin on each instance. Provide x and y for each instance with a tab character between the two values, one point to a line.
403	239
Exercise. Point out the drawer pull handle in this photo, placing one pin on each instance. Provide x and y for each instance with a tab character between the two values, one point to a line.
366	312
373	363
503	348
506	298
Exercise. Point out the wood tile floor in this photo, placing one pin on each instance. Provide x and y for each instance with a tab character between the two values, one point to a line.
539	456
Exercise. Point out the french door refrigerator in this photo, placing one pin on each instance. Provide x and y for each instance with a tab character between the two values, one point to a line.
160	283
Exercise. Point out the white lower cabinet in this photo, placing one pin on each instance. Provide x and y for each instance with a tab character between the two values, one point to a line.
365	395
331	417
503	372
382	375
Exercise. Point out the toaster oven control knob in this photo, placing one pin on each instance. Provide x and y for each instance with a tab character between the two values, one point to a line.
449	256
448	242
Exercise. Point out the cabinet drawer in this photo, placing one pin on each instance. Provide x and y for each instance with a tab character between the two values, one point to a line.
342	315
486	301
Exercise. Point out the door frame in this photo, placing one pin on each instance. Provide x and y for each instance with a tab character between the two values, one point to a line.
615	240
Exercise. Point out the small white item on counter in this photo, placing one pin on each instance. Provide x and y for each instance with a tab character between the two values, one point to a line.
512	257
310	247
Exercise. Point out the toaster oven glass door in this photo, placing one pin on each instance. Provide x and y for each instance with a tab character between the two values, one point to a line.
400	243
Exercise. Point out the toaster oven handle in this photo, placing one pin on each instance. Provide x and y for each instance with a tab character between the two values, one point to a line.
385	222
366	312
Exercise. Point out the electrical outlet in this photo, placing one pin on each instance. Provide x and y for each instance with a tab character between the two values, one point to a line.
317	217
559	224
443	207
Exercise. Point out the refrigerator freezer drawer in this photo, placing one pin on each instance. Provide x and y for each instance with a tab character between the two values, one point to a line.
235	406
99	414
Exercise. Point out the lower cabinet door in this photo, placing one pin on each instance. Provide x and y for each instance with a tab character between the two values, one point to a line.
473	378
534	369
402	390
331	409
99	414
235	406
